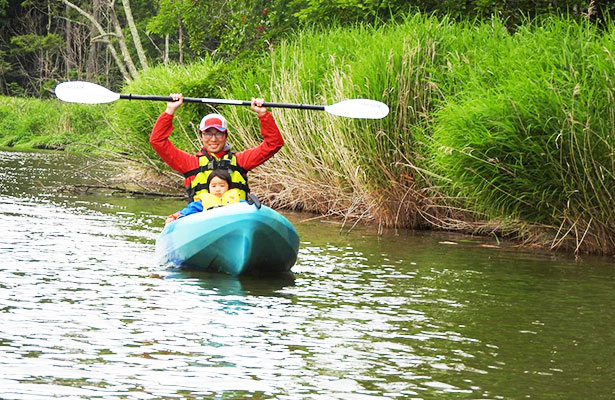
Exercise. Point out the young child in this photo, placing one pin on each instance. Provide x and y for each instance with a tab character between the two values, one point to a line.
218	183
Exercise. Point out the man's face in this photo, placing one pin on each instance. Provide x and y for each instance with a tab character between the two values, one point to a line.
213	140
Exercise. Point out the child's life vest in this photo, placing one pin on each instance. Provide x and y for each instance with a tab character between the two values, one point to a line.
210	201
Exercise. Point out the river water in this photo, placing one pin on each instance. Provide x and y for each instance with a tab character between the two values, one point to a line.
87	313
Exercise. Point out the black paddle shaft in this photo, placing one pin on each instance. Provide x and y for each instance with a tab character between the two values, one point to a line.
221	101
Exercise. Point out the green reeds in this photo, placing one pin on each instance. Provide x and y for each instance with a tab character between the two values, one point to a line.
45	124
357	169
531	137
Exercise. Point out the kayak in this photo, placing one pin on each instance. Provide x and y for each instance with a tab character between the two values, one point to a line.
236	239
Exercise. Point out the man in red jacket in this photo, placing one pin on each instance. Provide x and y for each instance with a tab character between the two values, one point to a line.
216	153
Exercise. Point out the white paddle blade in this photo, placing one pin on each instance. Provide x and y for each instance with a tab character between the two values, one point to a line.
359	108
85	93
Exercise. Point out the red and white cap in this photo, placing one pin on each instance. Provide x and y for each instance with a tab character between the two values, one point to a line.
213	121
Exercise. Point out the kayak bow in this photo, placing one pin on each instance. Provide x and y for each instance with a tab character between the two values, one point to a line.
235	239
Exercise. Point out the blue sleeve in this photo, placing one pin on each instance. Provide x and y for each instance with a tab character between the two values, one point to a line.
192	208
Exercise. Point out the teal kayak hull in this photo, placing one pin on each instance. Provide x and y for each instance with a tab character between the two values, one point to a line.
235	239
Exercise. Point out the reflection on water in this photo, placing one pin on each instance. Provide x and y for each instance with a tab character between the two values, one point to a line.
86	313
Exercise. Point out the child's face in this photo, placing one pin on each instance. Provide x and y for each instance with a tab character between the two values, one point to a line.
217	186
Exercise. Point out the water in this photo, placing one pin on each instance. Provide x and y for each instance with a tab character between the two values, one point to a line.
87	313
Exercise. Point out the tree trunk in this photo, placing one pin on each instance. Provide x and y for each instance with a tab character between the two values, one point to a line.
69	60
165	58
120	64
122	42
91	69
136	38
181	43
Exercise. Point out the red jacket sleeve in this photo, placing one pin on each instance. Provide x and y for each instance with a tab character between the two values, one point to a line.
175	158
272	142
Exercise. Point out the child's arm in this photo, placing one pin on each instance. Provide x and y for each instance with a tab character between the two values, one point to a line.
191	208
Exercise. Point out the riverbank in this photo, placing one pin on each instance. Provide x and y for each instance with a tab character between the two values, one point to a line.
490	132
29	123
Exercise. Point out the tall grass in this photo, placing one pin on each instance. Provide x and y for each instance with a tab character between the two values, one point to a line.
358	169
44	124
533	138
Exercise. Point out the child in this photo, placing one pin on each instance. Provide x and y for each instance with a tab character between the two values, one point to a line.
218	183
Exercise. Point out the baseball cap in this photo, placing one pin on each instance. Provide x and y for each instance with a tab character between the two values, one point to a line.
213	121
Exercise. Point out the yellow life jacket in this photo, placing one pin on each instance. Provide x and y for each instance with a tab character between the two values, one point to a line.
211	201
209	163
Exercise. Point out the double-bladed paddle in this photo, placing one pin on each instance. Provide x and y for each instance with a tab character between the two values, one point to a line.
91	93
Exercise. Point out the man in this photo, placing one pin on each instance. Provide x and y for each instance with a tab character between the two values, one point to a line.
216	153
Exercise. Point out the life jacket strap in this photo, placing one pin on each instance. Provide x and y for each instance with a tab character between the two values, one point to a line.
192	172
214	164
252	199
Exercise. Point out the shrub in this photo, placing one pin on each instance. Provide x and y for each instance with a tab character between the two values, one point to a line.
533	138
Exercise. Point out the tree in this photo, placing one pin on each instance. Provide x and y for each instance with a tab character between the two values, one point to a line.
136	38
165	23
31	48
125	64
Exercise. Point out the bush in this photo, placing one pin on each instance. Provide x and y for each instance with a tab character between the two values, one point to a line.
51	124
532	136
362	169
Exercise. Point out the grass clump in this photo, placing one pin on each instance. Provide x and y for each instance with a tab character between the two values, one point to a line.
533	139
50	124
357	169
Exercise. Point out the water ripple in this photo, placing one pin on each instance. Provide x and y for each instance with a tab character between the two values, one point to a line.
86	312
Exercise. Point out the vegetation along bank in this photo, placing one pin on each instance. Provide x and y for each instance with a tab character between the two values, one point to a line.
490	131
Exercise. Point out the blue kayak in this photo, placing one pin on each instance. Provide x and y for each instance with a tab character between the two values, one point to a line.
235	239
